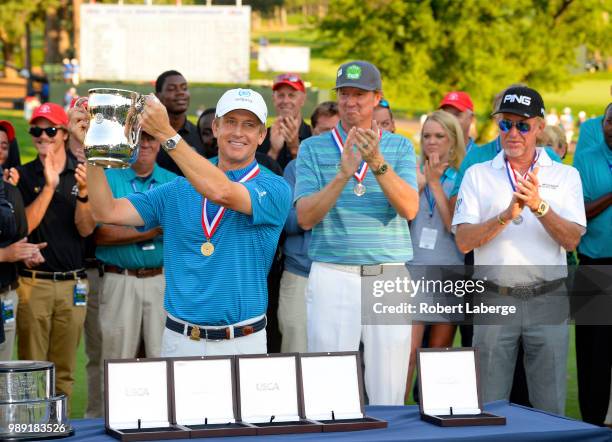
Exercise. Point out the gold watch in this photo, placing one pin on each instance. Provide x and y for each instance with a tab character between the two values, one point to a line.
542	209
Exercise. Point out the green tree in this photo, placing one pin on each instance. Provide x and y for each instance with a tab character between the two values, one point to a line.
426	48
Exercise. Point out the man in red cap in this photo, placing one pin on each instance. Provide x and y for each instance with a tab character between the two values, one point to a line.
53	294
461	106
285	135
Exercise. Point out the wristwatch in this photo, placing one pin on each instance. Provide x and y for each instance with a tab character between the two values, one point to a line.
171	143
542	209
381	170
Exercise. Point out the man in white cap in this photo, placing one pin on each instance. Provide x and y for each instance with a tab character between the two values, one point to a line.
356	187
221	224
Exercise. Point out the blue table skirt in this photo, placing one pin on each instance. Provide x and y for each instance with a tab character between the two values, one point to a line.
523	424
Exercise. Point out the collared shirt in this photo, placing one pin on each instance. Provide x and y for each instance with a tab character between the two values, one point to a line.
189	133
8	271
357	229
230	285
596	174
445	251
298	240
284	156
138	255
486	191
590	136
486	152
65	247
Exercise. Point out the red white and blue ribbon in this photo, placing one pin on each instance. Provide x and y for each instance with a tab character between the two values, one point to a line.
210	227
512	173
363	168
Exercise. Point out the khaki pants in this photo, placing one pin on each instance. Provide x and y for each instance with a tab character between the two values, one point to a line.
292	313
10	327
93	349
131	309
50	326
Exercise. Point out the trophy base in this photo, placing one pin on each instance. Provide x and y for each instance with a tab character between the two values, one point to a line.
108	163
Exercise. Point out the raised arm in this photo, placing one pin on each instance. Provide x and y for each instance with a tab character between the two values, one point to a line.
204	176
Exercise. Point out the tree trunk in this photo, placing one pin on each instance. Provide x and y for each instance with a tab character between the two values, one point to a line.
52	36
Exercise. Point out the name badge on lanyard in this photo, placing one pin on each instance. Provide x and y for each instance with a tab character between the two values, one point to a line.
8	311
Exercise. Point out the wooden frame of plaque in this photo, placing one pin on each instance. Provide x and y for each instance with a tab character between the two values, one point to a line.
470	415
297	423
155	420
209	426
353	420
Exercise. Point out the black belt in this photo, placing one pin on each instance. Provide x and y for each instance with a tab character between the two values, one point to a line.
196	333
525	291
55	276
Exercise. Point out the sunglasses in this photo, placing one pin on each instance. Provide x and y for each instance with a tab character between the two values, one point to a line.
506	126
384	103
36	131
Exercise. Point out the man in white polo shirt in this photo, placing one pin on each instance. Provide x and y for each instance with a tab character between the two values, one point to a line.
522	209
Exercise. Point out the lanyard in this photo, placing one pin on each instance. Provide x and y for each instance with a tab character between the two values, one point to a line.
431	200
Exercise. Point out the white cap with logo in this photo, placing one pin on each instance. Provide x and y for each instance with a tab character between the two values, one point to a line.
246	99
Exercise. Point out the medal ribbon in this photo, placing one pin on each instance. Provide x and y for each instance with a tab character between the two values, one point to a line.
210	227
512	176
363	168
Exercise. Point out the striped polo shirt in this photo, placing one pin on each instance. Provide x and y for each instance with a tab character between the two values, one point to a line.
230	285
358	229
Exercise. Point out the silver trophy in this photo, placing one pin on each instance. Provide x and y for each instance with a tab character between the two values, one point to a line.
114	133
29	406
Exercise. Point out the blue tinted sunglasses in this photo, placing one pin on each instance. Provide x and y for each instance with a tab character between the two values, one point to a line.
506	126
384	103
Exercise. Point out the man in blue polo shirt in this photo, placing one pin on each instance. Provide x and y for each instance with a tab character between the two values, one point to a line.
594	343
221	224
357	211
132	289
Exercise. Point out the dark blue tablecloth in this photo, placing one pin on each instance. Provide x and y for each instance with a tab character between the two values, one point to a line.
523	424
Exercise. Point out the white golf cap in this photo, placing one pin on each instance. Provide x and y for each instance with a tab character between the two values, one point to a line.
246	99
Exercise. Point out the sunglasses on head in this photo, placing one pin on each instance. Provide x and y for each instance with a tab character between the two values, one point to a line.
36	131
506	125
384	103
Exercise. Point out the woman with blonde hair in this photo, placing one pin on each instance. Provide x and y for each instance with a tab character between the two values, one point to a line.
442	150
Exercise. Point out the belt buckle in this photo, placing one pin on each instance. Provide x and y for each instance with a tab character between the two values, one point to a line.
371	270
195	333
55	277
140	273
247	330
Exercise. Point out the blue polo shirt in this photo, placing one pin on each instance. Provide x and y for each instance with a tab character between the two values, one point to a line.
298	239
230	285
139	255
358	229
590	136
596	175
486	152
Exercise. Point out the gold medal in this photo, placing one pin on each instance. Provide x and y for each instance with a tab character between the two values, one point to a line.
207	248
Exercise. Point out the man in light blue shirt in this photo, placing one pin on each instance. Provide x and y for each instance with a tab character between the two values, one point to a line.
594	343
221	224
356	187
132	289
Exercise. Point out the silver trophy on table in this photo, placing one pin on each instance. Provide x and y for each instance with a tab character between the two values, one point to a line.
29	406
114	133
